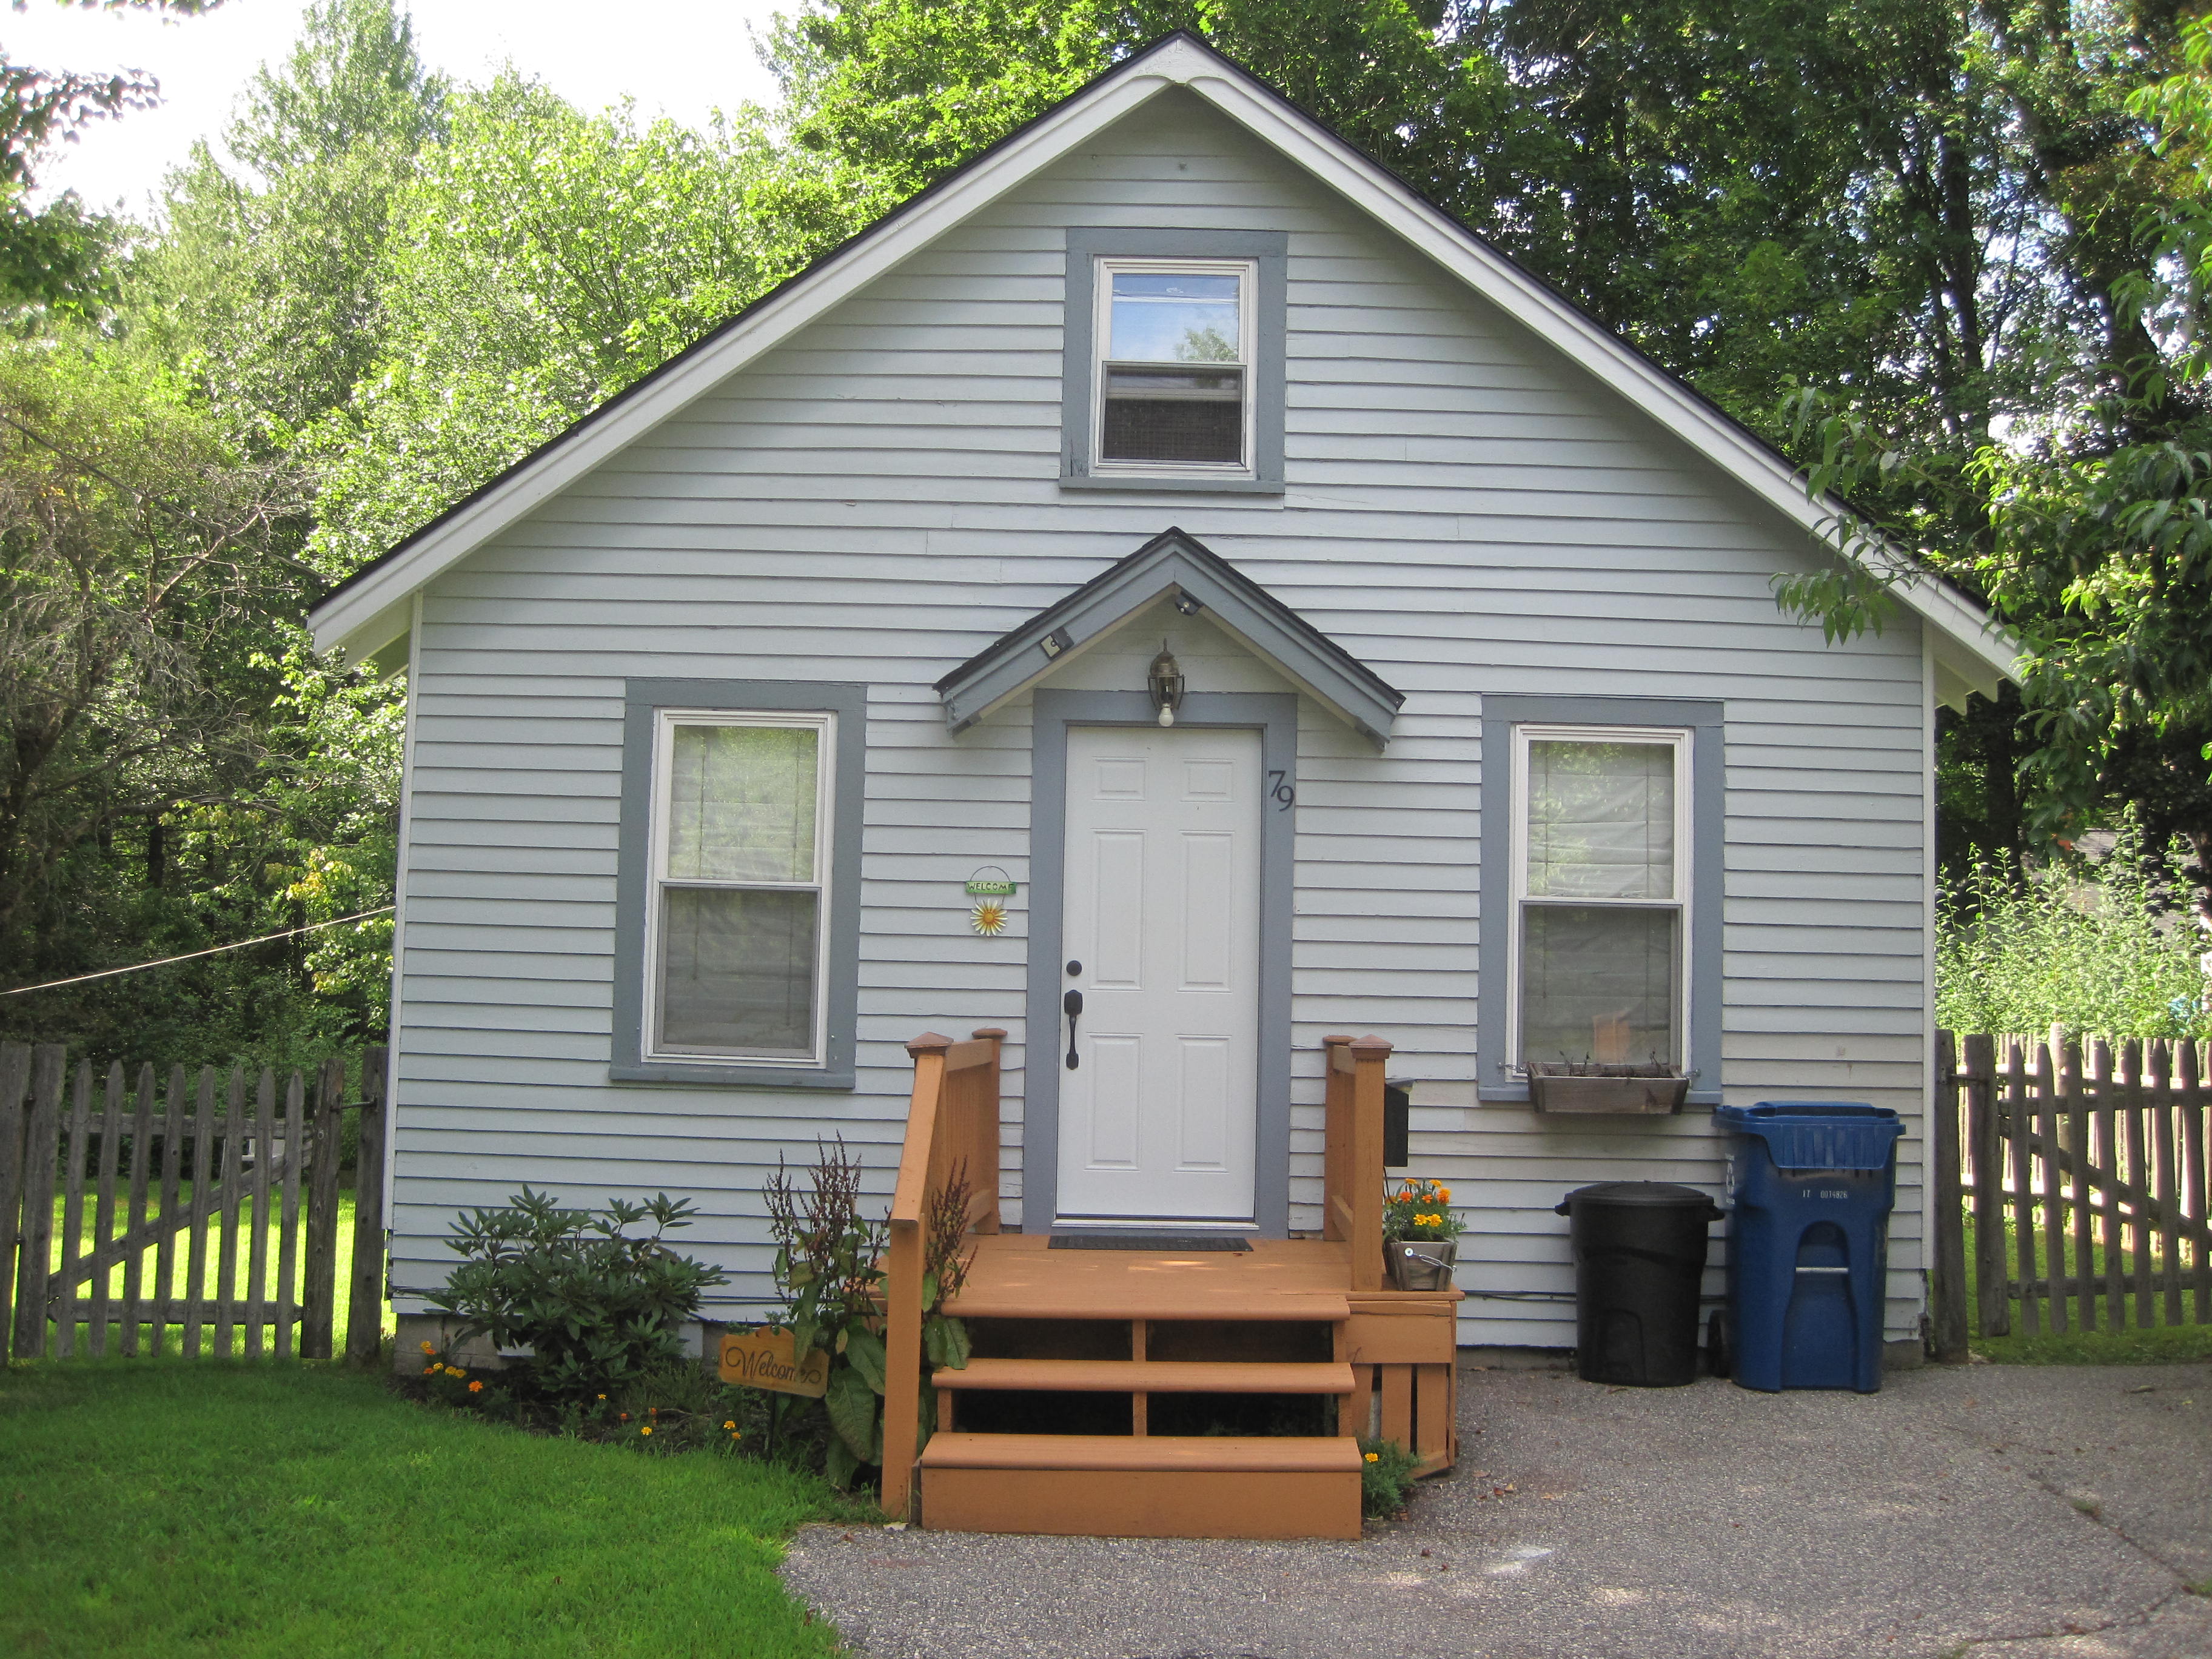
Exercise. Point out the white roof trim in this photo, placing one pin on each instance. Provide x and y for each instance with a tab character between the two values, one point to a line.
349	620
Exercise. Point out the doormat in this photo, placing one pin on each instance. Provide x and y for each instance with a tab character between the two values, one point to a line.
1178	1241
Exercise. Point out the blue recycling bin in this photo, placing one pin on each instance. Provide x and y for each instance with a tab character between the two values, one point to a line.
1811	1185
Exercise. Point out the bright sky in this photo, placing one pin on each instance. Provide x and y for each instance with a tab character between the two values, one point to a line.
684	57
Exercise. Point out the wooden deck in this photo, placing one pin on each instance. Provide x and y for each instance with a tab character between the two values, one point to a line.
1156	1393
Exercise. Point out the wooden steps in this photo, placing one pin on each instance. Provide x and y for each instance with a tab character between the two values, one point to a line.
1148	1376
1143	1486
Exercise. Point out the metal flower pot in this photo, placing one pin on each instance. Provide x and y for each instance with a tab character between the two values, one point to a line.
1421	1264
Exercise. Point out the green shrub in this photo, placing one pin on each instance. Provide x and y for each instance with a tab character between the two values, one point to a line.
2019	954
596	1305
1386	1478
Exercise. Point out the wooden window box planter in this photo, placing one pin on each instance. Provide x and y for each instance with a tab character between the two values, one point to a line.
1622	1091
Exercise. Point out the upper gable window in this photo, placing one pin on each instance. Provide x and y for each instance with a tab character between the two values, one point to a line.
1173	368
1174	373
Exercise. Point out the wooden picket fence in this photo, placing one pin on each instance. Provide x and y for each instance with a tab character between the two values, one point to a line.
2081	1167
191	1180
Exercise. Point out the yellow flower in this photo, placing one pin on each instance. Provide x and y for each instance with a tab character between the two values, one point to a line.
1374	1457
730	1423
647	1429
603	1396
429	1348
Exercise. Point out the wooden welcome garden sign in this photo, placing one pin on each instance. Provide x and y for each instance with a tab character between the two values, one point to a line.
763	1358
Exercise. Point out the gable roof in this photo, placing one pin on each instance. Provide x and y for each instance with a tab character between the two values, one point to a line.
371	608
1178	564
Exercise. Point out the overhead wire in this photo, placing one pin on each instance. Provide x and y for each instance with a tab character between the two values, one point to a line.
212	950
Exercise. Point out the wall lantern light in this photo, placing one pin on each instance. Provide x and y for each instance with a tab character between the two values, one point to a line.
1164	682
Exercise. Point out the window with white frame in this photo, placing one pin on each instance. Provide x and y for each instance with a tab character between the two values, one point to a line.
1600	894
737	915
1174	370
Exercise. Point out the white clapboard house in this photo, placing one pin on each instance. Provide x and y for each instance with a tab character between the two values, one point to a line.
1491	743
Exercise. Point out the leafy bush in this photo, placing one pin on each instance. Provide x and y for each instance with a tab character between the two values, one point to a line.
597	1306
1386	1478
2019	954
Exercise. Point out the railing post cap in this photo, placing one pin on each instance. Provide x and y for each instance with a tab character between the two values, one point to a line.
929	1042
998	1031
1339	1036
1370	1044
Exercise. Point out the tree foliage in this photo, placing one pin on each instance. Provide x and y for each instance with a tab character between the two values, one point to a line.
2097	948
268	280
55	256
135	543
541	260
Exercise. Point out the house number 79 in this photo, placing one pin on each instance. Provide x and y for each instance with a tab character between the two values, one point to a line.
1279	790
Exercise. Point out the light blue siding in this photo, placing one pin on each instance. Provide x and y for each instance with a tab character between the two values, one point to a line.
1465	509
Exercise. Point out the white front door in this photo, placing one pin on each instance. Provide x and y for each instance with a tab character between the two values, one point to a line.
1161	912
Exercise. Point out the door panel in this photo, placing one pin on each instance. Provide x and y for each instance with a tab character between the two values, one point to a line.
1163	910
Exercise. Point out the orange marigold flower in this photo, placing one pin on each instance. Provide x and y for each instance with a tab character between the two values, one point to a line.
429	1348
476	1387
730	1423
1374	1457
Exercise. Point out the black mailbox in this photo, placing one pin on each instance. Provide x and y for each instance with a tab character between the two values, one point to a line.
1397	1109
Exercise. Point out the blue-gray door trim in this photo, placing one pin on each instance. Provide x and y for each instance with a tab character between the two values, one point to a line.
1274	715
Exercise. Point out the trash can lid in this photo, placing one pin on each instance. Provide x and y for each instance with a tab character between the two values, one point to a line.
1636	1194
1817	1134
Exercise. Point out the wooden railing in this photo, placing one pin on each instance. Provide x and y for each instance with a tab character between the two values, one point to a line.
1351	1185
233	1196
951	1126
2082	1168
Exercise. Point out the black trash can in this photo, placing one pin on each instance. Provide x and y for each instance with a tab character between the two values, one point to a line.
1639	1259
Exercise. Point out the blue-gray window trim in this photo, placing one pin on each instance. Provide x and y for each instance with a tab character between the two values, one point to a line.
1275	716
1708	723
1269	250
642	699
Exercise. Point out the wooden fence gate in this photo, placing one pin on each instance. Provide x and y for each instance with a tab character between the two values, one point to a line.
195	1180
2085	1184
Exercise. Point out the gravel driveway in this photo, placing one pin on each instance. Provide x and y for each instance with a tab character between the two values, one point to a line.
2055	1510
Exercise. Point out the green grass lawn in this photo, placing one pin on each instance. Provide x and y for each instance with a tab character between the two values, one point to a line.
2132	1345
287	1510
180	1267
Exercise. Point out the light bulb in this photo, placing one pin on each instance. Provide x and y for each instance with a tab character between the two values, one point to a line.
1167	715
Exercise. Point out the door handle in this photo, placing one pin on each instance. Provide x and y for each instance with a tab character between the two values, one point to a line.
1072	1002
